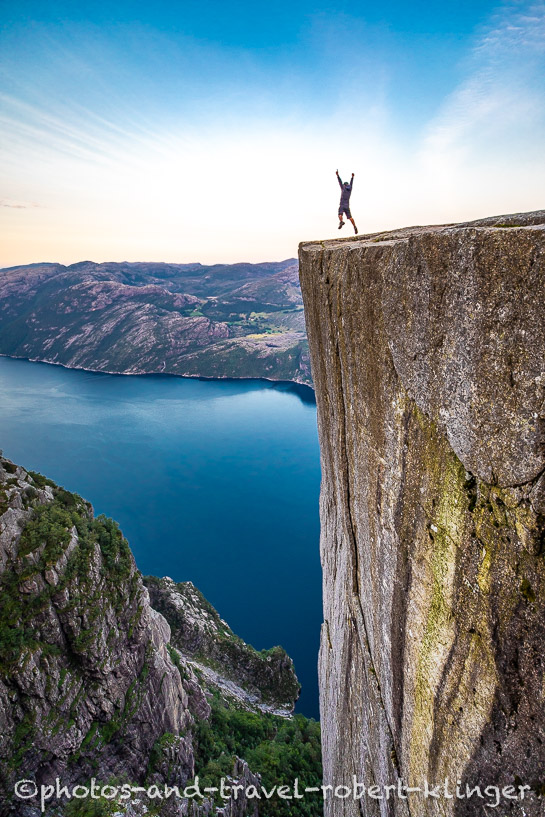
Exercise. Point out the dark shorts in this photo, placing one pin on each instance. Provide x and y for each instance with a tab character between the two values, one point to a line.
345	210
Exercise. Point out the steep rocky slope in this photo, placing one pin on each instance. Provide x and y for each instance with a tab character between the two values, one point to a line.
428	356
91	684
262	680
239	320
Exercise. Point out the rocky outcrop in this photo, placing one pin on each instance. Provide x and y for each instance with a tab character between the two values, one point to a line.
264	680
87	685
91	684
428	357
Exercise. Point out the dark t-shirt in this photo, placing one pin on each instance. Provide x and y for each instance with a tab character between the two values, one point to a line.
345	191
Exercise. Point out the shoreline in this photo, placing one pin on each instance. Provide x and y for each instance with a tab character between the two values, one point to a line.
296	384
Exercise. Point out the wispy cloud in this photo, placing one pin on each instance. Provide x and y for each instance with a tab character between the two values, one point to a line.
503	96
177	151
18	205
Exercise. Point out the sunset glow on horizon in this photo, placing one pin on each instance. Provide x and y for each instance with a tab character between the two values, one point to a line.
183	133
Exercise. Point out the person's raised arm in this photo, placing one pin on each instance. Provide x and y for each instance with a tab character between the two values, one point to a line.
339	179
351	181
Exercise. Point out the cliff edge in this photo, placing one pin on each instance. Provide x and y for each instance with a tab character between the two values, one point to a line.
428	357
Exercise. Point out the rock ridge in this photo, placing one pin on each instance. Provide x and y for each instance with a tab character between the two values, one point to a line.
221	321
263	681
92	684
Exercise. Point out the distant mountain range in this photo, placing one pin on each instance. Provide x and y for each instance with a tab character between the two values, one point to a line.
236	320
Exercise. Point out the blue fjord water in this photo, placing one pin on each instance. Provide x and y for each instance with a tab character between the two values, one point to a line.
215	482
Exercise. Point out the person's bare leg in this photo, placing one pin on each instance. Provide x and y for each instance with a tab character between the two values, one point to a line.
341	222
354	225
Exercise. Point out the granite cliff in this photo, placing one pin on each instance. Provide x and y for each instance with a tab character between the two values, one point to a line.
237	320
95	682
428	357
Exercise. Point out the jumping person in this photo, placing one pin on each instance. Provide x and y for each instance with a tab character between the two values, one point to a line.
344	206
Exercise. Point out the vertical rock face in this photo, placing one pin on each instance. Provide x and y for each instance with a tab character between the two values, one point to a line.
428	357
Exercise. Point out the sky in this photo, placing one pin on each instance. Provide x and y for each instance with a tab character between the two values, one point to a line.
211	131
